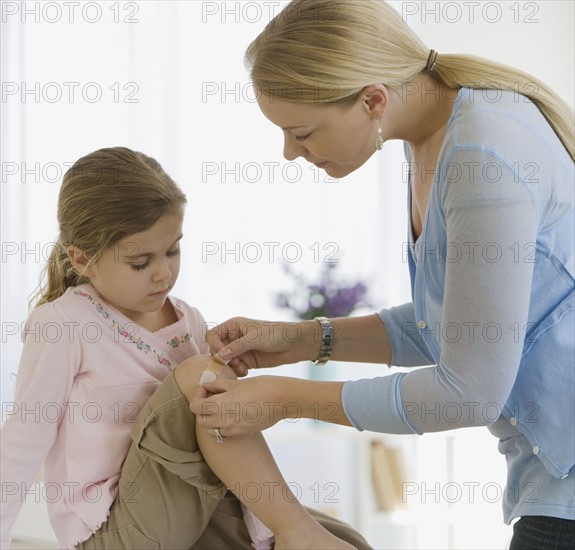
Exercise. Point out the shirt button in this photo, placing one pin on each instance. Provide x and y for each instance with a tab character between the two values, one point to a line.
513	421
421	324
535	450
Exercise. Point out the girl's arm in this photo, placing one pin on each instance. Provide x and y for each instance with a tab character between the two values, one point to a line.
45	377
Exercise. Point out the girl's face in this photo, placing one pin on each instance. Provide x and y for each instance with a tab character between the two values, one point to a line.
137	273
337	139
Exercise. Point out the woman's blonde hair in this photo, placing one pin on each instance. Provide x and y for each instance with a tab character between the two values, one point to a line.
105	196
328	51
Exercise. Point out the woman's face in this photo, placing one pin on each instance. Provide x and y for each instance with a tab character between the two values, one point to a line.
337	139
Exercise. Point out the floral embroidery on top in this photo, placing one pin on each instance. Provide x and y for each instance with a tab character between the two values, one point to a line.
128	331
99	307
177	340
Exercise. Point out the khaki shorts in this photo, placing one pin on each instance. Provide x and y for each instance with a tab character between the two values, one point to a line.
169	498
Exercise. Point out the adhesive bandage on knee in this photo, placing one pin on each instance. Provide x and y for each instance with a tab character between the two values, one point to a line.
210	374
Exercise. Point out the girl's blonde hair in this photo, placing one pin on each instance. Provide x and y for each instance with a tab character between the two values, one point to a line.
105	196
328	51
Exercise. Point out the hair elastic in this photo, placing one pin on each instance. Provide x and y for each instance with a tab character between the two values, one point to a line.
431	61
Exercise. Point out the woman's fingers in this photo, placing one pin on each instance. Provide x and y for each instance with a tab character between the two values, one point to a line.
239	367
254	344
218	386
203	405
231	406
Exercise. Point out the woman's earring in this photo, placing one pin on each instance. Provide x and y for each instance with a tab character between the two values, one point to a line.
379	141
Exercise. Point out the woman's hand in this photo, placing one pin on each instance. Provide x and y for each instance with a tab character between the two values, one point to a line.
245	407
251	344
238	407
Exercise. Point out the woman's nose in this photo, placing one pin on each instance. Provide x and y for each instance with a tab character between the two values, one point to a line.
293	149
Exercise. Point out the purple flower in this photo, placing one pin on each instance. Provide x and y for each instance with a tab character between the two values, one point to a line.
327	298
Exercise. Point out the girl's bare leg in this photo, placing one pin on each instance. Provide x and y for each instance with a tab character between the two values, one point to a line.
246	466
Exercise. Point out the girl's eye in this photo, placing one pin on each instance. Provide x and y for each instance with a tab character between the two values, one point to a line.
169	253
302	138
138	267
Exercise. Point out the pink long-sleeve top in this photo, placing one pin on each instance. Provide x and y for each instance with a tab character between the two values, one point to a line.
85	372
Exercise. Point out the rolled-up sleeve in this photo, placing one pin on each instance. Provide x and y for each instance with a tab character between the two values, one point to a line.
407	347
375	404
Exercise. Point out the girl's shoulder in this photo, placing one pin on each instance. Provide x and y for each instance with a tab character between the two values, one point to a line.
183	309
54	308
69	307
192	317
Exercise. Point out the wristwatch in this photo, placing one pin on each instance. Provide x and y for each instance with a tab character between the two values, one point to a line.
326	340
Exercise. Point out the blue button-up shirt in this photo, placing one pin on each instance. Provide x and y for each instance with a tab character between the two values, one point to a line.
492	278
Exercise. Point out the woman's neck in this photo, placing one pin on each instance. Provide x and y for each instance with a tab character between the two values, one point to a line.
420	113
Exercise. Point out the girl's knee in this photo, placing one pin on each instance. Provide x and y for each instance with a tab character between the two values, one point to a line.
188	373
195	363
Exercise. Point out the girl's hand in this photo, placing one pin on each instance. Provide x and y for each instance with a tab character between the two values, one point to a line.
251	344
236	407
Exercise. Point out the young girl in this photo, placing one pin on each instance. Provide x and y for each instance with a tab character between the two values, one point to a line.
109	364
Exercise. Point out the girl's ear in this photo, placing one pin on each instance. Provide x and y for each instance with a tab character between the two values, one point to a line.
375	98
80	262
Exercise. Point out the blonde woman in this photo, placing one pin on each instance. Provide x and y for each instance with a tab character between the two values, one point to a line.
491	249
109	364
